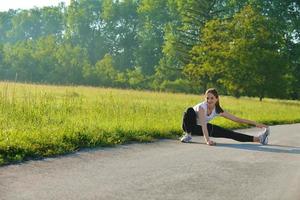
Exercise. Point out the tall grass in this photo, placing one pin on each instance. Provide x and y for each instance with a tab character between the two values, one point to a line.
39	120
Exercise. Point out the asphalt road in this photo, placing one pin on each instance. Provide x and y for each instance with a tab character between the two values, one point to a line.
166	169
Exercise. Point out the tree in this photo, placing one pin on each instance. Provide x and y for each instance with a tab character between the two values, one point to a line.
287	17
33	23
6	25
136	79
105	71
19	61
44	54
52	19
71	60
208	57
243	54
120	28
26	25
153	16
84	27
184	32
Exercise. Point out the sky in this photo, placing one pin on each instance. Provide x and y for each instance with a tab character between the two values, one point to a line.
5	5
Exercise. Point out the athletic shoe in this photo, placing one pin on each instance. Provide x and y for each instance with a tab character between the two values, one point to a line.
263	138
186	138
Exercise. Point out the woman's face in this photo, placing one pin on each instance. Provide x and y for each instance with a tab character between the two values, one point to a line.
211	99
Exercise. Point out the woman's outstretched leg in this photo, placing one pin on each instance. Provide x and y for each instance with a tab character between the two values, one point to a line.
217	131
220	132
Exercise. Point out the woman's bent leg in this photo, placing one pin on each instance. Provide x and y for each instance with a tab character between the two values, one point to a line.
220	132
189	120
197	130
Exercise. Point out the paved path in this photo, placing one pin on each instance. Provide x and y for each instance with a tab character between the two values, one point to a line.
164	170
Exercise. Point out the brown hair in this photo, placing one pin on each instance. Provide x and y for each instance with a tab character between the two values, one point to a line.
214	92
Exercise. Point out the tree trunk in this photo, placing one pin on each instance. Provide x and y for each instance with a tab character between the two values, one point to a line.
261	96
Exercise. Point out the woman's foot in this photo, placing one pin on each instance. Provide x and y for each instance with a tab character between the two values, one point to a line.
186	138
263	138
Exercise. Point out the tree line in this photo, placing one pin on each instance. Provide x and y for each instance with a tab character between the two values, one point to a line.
241	47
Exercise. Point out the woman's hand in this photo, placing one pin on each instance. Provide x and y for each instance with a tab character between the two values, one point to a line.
261	125
211	143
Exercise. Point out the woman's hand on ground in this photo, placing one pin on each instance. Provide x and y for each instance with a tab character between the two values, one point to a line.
211	143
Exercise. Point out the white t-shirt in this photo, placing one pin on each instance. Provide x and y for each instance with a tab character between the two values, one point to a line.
204	106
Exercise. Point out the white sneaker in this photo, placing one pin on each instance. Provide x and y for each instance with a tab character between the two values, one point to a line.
186	138
263	138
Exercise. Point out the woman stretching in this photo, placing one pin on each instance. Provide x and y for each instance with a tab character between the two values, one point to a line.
195	122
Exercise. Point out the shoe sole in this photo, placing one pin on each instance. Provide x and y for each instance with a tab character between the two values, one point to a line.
184	141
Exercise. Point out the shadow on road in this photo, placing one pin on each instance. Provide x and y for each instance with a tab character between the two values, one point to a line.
265	148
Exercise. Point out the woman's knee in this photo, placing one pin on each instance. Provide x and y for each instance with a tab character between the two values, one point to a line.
190	110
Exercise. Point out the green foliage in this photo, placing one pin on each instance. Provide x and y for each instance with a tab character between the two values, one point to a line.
120	31
179	85
20	60
105	70
70	61
240	54
33	23
154	16
246	47
83	27
45	60
136	78
6	25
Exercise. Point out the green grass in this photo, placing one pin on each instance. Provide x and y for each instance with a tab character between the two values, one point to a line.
39	121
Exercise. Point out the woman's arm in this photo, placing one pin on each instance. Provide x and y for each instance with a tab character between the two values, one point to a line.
203	124
240	120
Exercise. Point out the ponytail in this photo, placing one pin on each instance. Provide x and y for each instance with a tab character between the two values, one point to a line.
218	108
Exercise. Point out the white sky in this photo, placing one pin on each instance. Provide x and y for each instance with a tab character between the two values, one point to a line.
5	5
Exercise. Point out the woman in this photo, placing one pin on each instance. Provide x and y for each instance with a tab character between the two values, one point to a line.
195	122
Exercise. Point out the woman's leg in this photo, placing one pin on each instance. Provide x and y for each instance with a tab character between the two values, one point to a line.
188	124
220	132
197	130
189	120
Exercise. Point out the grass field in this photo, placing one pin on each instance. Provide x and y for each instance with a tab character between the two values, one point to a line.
38	120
